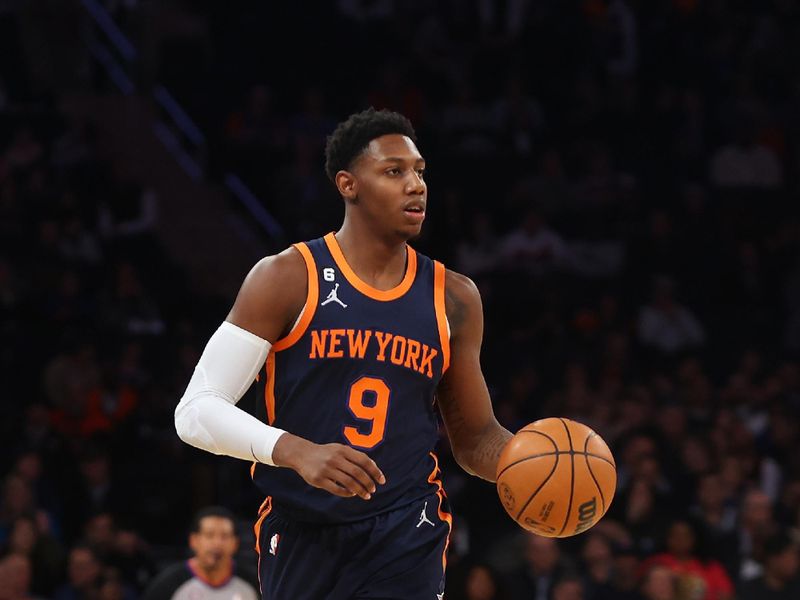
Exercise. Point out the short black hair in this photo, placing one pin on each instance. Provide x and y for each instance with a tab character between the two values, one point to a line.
212	511
350	137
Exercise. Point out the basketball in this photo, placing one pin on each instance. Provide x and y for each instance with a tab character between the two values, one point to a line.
556	477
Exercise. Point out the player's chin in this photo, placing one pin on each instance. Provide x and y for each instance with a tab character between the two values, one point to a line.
410	232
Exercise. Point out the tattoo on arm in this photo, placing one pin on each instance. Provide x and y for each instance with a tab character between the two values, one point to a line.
451	411
484	447
454	307
487	453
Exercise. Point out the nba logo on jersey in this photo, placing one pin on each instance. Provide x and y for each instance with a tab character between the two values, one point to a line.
273	544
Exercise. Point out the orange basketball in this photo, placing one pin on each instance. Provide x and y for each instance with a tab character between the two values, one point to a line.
556	477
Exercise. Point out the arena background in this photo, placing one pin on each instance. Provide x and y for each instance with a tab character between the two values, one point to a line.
619	177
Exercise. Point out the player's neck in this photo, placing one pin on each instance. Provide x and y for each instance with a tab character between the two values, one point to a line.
379	262
216	575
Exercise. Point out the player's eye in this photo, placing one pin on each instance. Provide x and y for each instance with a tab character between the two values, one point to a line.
394	171
421	173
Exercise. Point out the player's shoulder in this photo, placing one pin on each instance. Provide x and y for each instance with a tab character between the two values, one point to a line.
462	301
288	264
272	295
460	284
285	273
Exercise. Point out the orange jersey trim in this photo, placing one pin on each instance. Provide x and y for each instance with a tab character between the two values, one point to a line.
363	287
444	516
441	312
310	307
269	389
263	513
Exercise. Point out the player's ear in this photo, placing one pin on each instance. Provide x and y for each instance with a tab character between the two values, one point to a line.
347	184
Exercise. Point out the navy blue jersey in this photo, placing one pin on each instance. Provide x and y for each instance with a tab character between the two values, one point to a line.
359	367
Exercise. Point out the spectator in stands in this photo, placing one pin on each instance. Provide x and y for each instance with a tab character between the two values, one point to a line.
519	119
15	578
661	583
477	254
130	307
745	163
781	577
543	567
44	553
666	325
478	582
569	587
756	525
97	488
644	514
686	559
84	572
120	549
17	501
716	518
112	586
533	247
597	565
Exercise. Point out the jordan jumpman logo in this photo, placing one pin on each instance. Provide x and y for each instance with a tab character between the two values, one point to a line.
423	517
332	297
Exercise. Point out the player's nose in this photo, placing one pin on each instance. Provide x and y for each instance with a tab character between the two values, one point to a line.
415	184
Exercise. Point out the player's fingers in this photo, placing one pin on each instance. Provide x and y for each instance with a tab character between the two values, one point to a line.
348	479
367	464
335	488
326	479
358	473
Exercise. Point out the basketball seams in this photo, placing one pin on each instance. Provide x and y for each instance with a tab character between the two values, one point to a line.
610	459
527	458
587	453
543	454
541	485
589	467
598	457
552	441
572	475
553	486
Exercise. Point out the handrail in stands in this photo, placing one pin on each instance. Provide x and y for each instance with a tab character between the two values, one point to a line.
179	119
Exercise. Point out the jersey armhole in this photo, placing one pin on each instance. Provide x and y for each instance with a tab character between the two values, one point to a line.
441	313
309	308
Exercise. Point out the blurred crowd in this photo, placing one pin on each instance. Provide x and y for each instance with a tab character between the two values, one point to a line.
619	177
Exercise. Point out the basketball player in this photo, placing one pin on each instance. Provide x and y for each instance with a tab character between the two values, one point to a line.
360	337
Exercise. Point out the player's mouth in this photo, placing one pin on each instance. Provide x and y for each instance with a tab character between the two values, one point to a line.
415	212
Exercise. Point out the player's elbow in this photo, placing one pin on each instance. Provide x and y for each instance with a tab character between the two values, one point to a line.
189	425
463	458
184	416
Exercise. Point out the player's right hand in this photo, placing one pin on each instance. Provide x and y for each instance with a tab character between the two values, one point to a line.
335	468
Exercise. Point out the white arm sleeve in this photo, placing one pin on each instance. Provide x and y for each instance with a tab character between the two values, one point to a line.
207	416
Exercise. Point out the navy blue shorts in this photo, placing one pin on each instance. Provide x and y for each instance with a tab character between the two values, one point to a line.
397	555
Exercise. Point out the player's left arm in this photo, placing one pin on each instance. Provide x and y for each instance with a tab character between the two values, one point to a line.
475	435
